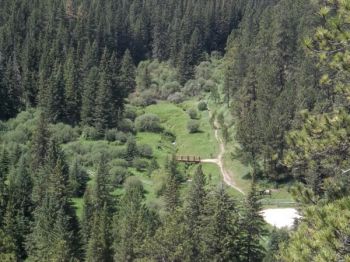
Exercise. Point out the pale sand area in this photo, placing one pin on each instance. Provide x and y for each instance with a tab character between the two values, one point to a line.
280	217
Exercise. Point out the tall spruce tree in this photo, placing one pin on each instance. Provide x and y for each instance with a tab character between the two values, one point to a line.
54	233
220	233
252	229
131	223
194	208
88	97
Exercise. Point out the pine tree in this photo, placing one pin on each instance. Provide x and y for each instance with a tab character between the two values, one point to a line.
131	149
194	208
13	84
169	243
3	190
327	227
99	245
98	207
77	179
53	102
172	194
104	107
19	207
185	66
39	143
87	216
127	74
7	248
88	97
219	228
54	233
252	229
131	223
71	90
101	188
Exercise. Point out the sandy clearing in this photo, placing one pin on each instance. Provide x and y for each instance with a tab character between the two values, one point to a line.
280	217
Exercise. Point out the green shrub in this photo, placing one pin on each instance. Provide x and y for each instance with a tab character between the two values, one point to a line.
192	88
3	126
116	152
176	98
78	148
170	88
134	183
20	135
27	118
192	113
126	125
90	133
148	97
121	137
168	135
130	113
140	164
111	135
192	126
209	85
202	106
145	151
118	162
148	123
117	175
64	133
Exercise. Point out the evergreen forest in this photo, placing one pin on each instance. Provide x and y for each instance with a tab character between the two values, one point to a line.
169	130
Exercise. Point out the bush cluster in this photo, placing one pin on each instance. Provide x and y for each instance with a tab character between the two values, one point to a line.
148	123
192	126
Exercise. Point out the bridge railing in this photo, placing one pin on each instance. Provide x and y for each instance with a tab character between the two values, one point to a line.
190	159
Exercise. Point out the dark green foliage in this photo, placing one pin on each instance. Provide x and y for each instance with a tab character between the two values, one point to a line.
99	244
193	113
131	149
118	174
54	234
252	227
105	111
220	233
39	143
88	97
132	223
172	185
127	74
145	151
19	206
77	179
148	123
202	106
193	126
266	81
97	210
140	164
7	247
278	238
194	209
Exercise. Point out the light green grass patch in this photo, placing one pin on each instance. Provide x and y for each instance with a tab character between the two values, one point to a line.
78	204
175	118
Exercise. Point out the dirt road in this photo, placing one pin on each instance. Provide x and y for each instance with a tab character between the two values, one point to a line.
226	174
283	217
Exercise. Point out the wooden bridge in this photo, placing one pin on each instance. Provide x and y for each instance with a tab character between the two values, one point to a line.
188	159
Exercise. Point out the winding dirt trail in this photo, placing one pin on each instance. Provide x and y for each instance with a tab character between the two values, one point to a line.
226	174
278	217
